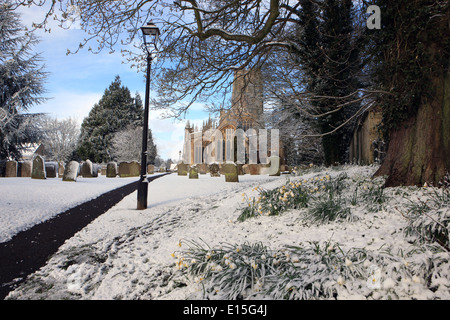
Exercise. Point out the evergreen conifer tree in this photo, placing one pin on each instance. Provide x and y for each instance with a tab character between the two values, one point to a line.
21	84
115	111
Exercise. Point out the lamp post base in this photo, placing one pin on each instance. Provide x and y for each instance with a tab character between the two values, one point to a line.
142	192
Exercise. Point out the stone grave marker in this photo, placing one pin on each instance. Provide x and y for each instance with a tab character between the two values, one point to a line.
51	169
38	168
150	169
202	168
26	168
230	171
11	169
95	169
182	169
254	169
214	170
60	169
111	169
193	173
71	171
87	169
129	169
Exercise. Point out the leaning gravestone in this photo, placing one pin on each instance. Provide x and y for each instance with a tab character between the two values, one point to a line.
38	168
193	173
86	169
111	170
26	169
71	171
182	169
274	169
214	170
230	171
11	169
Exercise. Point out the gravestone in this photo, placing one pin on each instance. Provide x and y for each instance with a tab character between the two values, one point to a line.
71	171
214	170
182	169
2	168
129	169
103	170
150	169
274	169
111	169
60	169
11	169
245	169
38	168
254	169
202	168
135	169
95	169
51	169
193	173
240	169
230	171
87	169
25	171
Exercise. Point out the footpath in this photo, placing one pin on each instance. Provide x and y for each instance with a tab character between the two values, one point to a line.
29	250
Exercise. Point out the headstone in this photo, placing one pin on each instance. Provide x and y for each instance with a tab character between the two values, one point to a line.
2	168
254	169
11	169
25	171
71	171
129	169
111	170
182	169
193	173
231	172
274	169
135	168
87	169
60	169
95	169
150	169
202	168
38	168
246	169
214	170
51	169
103	170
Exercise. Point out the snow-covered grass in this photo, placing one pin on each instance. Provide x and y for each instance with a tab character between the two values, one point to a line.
190	244
25	202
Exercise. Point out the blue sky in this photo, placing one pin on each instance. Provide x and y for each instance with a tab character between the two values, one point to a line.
77	81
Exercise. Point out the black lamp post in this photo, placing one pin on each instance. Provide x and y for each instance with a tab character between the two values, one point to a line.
150	30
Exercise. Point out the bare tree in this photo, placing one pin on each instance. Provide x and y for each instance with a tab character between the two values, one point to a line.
60	137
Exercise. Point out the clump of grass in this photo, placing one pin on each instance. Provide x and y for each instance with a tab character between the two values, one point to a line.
429	219
315	270
322	196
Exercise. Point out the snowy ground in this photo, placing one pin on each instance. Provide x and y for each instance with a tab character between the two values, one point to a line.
129	254
25	202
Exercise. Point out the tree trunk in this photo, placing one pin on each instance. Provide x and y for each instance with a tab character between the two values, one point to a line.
419	149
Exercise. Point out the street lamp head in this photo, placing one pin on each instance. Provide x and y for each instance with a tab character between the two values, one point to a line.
150	30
